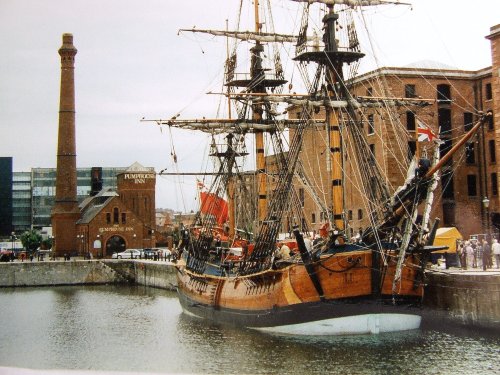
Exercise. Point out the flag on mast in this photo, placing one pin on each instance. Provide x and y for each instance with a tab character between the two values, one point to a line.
424	133
200	185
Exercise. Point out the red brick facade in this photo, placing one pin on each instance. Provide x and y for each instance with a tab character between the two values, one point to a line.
115	221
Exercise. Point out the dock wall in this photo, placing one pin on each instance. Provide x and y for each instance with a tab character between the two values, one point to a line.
469	299
80	272
147	273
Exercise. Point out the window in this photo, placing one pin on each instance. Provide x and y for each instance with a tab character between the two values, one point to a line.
124	218
369	91
471	185
488	92
494	184
410	120
467	121
371	125
115	215
447	185
108	218
491	125
412	148
313	218
410	91
470	155
493	155
443	93
349	215
444	122
360	214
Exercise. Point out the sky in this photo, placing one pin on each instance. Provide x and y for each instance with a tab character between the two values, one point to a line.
132	64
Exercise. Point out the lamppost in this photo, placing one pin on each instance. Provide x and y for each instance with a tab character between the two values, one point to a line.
78	243
53	249
486	205
12	239
135	242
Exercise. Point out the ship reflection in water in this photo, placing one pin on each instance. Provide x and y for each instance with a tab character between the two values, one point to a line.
143	330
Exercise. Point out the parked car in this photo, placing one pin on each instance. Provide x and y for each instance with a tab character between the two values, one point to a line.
165	253
150	253
127	254
157	253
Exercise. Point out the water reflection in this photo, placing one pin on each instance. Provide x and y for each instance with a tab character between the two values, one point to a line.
140	329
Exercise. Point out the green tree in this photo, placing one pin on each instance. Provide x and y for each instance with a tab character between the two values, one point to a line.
46	244
31	240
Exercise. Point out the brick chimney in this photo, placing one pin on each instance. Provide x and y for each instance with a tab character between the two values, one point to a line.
65	212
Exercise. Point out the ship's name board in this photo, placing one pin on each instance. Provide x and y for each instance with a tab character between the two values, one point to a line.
139	178
116	229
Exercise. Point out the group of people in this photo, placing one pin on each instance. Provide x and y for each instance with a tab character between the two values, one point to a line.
474	253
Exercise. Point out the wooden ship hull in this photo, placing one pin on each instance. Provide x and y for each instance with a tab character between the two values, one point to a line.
357	298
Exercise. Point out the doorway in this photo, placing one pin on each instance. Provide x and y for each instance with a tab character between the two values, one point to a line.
115	244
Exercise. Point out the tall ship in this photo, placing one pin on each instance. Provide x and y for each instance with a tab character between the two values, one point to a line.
251	257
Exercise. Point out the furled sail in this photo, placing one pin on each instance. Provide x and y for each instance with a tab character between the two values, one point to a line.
236	126
352	3
249	35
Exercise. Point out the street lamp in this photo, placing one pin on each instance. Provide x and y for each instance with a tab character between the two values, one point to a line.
12	239
486	205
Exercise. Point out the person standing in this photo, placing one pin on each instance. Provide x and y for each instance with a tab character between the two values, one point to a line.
474	245
495	248
470	254
462	254
486	255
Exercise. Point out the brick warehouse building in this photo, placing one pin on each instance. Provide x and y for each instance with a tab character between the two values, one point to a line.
112	221
456	98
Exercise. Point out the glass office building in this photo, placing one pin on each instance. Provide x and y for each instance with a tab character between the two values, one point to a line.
33	194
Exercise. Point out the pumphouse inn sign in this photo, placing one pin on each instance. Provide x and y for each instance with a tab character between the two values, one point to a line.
116	229
139	178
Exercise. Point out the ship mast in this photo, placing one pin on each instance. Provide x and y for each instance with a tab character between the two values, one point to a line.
230	183
333	60
255	71
332	122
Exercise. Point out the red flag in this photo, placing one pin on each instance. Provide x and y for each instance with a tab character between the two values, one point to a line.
424	133
212	204
323	231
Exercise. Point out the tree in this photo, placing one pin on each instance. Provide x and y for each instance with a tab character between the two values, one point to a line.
46	244
31	240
